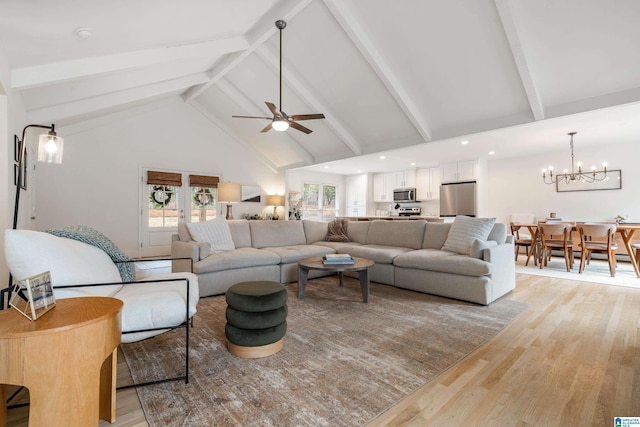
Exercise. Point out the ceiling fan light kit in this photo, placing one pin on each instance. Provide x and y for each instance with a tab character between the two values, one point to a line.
281	121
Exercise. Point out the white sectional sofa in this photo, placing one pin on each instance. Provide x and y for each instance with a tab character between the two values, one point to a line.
475	265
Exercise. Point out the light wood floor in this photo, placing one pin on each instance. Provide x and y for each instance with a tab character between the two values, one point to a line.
572	358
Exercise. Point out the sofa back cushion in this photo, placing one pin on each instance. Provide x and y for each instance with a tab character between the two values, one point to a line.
406	234
183	232
240	233
276	233
70	262
498	233
314	231
216	232
435	234
358	230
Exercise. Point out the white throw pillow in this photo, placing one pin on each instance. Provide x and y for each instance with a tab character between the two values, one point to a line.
215	232
478	246
464	231
70	262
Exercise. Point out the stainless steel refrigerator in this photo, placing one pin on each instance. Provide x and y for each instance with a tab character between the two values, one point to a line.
458	198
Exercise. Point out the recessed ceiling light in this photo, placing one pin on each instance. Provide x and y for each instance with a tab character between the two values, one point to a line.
413	163
464	142
491	153
382	157
84	32
359	171
326	167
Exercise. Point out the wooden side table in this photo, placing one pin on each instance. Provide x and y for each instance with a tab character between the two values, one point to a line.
67	359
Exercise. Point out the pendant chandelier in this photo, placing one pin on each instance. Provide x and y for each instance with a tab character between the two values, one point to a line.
573	176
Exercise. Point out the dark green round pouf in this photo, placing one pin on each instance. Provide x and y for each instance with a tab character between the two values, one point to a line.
253	320
257	296
255	337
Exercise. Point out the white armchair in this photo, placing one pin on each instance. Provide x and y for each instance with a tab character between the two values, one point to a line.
151	306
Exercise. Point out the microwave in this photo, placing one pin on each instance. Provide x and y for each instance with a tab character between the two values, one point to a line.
404	194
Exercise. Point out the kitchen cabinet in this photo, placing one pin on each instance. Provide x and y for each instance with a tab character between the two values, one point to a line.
428	184
404	179
459	171
380	190
385	183
356	195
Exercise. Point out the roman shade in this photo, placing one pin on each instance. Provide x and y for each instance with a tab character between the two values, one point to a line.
203	181
164	178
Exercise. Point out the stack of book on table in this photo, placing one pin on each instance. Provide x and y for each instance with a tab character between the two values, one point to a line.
335	259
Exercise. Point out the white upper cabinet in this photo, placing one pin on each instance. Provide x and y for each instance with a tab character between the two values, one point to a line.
356	194
404	179
460	171
428	184
385	183
379	189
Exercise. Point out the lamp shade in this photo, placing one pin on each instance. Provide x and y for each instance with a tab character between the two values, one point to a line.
50	148
229	192
275	200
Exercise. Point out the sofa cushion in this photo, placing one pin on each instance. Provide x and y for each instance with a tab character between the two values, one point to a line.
216	232
237	258
183	232
443	261
498	233
276	233
478	246
463	232
379	253
294	253
405	234
435	234
314	231
358	230
240	233
70	262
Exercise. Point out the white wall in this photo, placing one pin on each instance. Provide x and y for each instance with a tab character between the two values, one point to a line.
515	185
98	183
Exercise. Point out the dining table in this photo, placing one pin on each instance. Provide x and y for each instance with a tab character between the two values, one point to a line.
626	231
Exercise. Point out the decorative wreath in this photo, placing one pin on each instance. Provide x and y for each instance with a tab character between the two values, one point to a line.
160	196
203	198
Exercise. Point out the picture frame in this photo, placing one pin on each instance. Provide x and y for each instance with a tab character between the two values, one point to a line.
17	146
33	296
612	182
250	193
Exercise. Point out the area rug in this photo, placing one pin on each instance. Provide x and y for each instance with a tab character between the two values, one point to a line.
343	362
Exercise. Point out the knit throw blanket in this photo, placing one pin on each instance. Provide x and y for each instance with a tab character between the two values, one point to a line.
337	230
93	237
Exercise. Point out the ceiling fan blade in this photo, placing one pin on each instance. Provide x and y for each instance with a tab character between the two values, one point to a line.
267	128
274	109
300	127
251	117
307	116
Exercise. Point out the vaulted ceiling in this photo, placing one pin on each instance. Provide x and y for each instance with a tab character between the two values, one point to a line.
510	76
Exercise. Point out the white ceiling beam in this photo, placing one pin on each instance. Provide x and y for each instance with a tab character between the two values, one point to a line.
363	43
124	97
309	98
520	59
284	10
226	129
55	72
251	108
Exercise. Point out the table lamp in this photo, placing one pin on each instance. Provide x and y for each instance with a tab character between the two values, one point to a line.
229	192
275	201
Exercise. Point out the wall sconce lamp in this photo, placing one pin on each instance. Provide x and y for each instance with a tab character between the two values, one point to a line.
229	192
50	148
275	201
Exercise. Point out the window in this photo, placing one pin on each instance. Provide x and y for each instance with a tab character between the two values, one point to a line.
319	202
204	197
163	190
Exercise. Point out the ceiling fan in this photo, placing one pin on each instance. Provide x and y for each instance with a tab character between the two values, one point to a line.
280	120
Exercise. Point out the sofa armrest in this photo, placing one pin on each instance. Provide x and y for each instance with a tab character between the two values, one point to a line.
503	268
183	255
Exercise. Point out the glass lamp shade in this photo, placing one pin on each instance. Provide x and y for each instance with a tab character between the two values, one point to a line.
50	148
280	125
229	192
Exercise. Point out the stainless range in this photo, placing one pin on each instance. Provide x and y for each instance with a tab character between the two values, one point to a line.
414	211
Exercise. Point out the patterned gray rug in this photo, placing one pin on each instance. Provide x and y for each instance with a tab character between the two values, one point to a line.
343	362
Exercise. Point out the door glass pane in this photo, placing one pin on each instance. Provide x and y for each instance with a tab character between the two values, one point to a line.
328	202
203	203
163	206
311	202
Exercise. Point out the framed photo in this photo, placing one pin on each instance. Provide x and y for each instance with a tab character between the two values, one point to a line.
17	146
613	181
33	296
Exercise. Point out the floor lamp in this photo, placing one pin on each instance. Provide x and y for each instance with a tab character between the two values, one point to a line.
50	148
229	192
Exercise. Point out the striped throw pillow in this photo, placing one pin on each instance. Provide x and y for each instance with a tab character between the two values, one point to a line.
464	231
215	232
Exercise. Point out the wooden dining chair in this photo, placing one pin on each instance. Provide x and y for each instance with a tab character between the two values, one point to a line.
598	238
524	241
555	236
